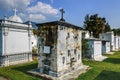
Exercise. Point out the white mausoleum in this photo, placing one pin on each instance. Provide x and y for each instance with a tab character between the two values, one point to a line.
109	36
94	48
15	41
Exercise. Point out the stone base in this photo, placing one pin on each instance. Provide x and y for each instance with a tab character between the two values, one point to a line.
68	76
7	60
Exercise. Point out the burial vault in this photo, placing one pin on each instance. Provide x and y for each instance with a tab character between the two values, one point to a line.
59	48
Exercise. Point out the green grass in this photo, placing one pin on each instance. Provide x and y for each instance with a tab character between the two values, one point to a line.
18	72
109	69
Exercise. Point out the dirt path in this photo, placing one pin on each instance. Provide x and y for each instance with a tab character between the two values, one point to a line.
3	78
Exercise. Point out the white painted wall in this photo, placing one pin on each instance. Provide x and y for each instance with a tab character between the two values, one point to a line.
107	47
116	39
97	49
15	38
17	41
34	41
119	42
1	41
94	48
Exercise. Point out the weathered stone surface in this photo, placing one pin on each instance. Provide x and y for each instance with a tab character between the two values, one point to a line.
64	40
72	75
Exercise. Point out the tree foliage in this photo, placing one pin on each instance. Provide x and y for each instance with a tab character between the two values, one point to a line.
35	31
96	24
84	46
116	31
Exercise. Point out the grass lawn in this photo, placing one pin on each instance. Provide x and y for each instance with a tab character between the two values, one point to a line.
18	72
109	69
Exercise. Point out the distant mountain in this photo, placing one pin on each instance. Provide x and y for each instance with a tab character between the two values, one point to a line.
33	24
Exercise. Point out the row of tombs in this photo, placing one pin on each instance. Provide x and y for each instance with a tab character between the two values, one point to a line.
105	44
59	45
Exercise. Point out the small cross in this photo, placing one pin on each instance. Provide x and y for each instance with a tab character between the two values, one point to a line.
62	12
15	11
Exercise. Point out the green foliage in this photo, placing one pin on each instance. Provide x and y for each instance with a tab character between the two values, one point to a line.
116	31
109	69
96	24
107	28
84	47
34	50
35	31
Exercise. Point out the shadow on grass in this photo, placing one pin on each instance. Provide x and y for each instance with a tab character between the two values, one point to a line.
113	60
108	75
26	67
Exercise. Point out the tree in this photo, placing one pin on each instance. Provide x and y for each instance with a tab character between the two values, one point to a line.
107	27
96	24
116	31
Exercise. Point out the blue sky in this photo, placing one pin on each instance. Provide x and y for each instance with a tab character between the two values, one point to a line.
75	10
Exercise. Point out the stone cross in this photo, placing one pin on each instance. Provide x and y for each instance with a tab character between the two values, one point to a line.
15	11
62	12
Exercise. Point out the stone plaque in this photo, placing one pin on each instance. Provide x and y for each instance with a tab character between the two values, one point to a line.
47	49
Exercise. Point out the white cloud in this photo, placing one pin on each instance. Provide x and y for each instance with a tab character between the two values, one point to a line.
29	9
37	17
10	4
43	8
22	15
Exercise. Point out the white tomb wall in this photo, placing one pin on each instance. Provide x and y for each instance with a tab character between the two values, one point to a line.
17	41
97	48
107	47
116	39
1	41
118	42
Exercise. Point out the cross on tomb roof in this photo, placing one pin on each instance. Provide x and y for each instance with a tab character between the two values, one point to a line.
15	11
62	12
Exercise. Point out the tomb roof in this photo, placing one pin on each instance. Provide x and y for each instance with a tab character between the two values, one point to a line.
93	39
62	23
